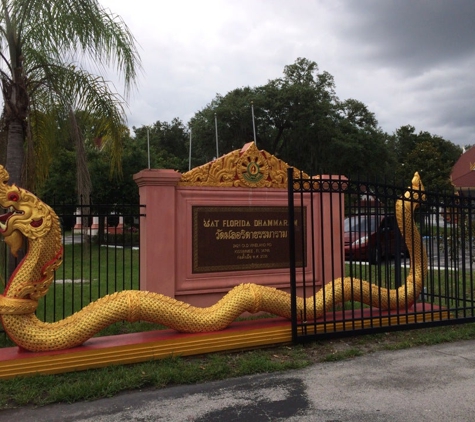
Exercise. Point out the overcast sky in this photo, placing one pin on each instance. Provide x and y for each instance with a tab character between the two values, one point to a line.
410	61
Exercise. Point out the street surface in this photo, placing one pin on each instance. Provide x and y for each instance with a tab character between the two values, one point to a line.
424	384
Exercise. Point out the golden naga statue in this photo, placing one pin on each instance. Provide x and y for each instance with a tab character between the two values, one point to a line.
29	217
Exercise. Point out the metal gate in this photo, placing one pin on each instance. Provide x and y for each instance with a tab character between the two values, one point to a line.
98	259
374	250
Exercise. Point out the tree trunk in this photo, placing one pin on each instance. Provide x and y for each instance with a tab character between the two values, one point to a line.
83	178
15	112
16	101
14	165
15	151
3	141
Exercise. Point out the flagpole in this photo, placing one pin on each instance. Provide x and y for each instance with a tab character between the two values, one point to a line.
216	128
148	147
189	159
253	122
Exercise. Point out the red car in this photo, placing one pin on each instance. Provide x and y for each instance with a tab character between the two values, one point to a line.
372	237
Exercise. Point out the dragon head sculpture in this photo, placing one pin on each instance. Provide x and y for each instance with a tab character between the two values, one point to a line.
29	217
26	214
417	192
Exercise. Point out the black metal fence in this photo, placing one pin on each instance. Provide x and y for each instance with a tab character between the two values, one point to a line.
101	256
374	250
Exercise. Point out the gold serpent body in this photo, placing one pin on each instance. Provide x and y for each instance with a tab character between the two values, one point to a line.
33	276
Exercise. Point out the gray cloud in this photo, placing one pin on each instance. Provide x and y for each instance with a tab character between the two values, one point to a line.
409	61
412	35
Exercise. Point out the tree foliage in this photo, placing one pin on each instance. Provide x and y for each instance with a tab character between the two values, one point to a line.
108	188
46	50
432	156
168	144
299	118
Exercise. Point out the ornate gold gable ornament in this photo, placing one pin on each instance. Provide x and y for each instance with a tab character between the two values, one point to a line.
245	168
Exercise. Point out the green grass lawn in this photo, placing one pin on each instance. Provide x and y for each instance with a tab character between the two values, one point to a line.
448	288
86	275
88	272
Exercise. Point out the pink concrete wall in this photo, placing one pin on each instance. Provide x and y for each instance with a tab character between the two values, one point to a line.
166	238
158	248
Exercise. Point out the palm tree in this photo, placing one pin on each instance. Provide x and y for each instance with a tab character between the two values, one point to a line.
47	51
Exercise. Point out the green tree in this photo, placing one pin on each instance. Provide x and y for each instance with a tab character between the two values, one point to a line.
231	117
298	118
431	155
298	109
358	146
294	106
169	144
47	47
116	188
59	188
60	184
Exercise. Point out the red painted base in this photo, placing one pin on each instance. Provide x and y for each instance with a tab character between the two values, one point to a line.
98	343
138	347
121	340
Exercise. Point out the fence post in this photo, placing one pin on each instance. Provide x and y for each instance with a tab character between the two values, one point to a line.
293	280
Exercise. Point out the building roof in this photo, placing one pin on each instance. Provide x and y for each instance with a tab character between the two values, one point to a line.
463	172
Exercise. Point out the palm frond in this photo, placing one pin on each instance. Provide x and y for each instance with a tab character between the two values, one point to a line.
81	31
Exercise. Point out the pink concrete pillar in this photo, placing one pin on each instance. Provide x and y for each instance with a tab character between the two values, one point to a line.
78	226
120	227
157	230
95	226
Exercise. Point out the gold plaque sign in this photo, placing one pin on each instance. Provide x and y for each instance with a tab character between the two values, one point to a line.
243	238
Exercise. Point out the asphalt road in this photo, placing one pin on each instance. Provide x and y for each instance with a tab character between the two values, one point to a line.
435	383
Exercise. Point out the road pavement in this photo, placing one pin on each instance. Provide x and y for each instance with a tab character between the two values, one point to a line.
435	383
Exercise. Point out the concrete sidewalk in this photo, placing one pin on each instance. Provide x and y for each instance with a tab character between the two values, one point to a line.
435	383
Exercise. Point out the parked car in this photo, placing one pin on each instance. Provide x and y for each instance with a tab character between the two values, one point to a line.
372	237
